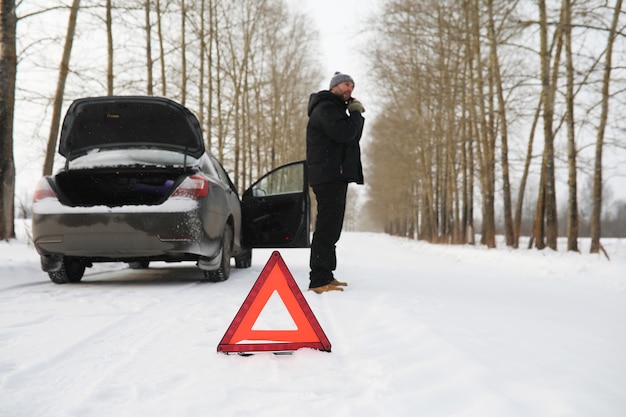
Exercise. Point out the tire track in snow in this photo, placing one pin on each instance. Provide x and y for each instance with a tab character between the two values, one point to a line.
93	357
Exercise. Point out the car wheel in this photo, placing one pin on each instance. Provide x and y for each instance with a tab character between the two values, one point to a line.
244	259
71	270
223	272
139	265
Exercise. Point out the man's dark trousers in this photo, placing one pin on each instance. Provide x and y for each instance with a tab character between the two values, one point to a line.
331	207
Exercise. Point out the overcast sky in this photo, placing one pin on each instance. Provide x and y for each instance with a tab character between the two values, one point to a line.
340	24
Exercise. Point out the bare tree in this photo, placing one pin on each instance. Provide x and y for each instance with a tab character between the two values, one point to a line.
8	67
502	118
109	26
230	69
209	44
572	183
597	173
149	64
183	54
58	97
491	39
161	48
524	178
483	125
454	90
546	205
202	56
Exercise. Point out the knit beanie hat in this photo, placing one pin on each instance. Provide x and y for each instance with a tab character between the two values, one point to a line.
339	78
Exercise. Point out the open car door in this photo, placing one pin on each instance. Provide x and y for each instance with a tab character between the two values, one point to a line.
276	209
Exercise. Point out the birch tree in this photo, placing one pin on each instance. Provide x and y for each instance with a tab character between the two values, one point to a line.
546	205
60	89
597	172
109	30
149	63
572	182
8	67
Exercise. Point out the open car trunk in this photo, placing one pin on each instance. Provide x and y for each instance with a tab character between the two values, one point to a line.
126	150
117	187
119	122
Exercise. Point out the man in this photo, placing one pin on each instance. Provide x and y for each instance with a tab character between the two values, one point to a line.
333	160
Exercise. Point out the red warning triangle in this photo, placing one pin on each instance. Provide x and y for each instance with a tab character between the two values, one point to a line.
241	337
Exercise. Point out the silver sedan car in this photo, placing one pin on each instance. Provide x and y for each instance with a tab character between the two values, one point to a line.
138	186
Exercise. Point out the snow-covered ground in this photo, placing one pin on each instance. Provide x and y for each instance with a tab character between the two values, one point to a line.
422	330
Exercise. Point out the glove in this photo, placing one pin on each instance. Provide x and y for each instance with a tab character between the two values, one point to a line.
355	105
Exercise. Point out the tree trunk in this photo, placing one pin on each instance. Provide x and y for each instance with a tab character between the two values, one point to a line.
485	149
468	137
572	199
209	51
504	149
201	70
109	25
58	96
183	53
519	205
548	96
8	65
596	211
161	48
149	82
539	228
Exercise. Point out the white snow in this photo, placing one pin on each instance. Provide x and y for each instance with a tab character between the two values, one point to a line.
171	205
422	330
130	157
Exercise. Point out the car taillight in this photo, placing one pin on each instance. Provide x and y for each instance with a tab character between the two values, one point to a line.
193	187
43	191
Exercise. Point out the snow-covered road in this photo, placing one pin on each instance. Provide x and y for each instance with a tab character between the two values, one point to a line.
421	330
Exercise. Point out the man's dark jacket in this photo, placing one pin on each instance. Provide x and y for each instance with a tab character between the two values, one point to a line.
332	140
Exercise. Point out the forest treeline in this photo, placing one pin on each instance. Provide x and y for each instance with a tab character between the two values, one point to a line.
480	104
489	105
245	68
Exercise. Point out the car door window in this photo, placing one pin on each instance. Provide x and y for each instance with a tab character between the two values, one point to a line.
276	209
284	181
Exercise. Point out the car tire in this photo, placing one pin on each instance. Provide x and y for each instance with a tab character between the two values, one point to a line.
71	271
244	259
139	265
223	272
